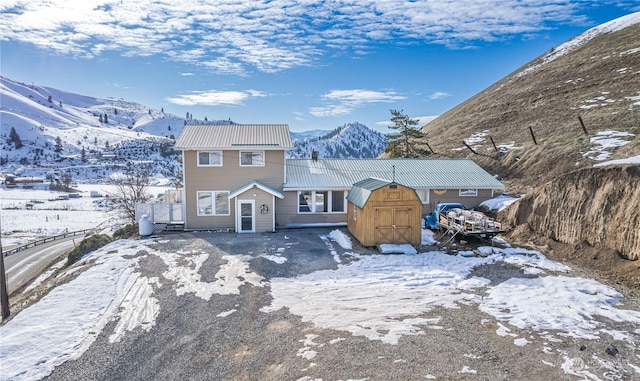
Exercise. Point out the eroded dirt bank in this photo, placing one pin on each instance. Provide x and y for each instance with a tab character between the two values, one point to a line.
590	218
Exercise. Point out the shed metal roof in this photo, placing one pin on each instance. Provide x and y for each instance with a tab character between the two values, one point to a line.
308	174
361	191
234	136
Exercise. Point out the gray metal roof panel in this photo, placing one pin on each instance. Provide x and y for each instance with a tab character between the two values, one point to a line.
413	173
361	191
234	136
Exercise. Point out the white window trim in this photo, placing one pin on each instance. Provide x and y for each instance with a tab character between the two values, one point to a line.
427	192
209	152
264	159
329	196
468	193
213	204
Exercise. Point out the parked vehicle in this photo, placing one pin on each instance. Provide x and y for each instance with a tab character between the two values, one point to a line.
458	221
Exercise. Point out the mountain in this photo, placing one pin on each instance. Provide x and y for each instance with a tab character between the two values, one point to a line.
592	79
51	134
353	140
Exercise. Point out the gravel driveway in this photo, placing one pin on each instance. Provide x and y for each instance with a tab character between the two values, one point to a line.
231	336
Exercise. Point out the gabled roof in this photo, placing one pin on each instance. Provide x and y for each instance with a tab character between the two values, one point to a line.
308	174
255	184
234	136
361	191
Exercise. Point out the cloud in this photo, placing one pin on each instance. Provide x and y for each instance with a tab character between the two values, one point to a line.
237	37
439	95
215	98
343	102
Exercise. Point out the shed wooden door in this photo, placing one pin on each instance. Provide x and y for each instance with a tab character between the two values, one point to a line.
393	224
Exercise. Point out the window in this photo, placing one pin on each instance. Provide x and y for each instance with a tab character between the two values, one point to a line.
468	192
423	194
209	158
321	202
213	203
252	159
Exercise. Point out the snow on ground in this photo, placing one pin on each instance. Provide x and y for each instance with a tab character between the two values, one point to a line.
629	160
603	142
49	217
499	203
359	297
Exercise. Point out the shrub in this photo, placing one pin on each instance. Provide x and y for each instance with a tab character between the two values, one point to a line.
89	244
127	231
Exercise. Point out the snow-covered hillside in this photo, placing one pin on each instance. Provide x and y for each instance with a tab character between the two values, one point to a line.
53	134
60	132
353	140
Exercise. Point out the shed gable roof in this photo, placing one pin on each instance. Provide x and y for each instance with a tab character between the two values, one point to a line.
308	174
234	136
361	191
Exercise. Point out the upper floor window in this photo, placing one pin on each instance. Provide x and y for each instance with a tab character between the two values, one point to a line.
251	158
468	192
209	158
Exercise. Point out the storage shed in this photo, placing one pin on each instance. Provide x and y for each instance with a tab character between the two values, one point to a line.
384	212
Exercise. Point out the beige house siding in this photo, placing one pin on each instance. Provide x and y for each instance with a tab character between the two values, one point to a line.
228	177
287	213
263	221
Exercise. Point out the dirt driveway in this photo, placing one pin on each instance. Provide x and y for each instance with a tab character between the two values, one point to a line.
296	305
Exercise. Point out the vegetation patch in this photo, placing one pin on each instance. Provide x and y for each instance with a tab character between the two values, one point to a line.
89	244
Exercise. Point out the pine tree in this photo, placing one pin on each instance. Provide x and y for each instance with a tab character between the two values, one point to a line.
83	154
58	146
106	119
49	99
15	138
405	142
100	119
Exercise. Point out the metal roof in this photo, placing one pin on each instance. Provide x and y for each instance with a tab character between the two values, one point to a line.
234	136
361	191
255	184
308	174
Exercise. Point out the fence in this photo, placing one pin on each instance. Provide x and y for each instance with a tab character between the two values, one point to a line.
37	242
160	213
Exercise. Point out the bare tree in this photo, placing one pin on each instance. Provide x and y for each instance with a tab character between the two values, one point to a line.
130	188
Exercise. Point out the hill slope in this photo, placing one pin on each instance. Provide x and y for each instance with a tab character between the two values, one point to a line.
353	140
595	76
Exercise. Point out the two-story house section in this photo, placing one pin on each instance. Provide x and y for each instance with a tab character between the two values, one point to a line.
233	174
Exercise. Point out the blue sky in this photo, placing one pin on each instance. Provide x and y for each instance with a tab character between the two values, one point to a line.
311	64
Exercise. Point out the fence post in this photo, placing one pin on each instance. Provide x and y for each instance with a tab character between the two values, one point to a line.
470	149
533	136
494	144
584	128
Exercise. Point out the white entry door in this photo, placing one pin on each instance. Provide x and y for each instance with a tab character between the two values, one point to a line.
246	216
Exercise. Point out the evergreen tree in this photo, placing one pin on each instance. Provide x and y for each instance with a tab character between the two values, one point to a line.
100	119
50	100
83	154
106	119
15	138
404	143
115	111
58	146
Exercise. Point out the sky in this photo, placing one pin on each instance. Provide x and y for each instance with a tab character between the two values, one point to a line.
310	64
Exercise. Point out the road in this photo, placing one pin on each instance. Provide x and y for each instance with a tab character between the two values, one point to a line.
24	266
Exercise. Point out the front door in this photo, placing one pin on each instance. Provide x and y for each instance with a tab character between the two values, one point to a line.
246	216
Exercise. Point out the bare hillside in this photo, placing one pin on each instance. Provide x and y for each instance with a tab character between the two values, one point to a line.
595	77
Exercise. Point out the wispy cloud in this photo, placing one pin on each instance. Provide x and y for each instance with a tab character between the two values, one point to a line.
237	37
215	98
439	95
343	102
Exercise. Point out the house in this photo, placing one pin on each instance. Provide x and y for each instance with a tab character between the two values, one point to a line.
380	211
237	177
